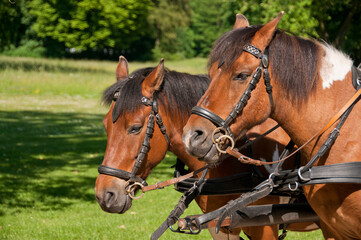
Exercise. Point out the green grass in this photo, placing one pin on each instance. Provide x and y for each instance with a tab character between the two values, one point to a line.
52	140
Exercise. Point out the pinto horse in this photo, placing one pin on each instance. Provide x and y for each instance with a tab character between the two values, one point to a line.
307	82
126	126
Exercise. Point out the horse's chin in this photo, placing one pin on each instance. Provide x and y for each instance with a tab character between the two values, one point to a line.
212	157
127	205
118	208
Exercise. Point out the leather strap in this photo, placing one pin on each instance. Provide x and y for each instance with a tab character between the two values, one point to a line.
172	181
234	184
214	118
356	76
258	215
178	210
102	169
348	172
247	160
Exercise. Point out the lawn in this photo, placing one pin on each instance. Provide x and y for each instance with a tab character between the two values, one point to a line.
52	140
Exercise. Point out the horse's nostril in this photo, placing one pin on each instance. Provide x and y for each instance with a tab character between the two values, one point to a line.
198	134
109	198
198	137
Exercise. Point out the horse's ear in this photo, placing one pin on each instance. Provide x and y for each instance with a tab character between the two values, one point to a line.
154	80
241	21
122	69
264	36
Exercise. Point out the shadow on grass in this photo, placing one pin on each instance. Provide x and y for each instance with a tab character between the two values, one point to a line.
49	160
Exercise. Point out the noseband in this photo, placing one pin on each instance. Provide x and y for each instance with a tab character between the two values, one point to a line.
223	125
134	181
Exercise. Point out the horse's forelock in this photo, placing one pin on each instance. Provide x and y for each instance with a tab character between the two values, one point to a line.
229	46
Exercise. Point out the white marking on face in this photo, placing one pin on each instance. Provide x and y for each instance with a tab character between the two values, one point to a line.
335	65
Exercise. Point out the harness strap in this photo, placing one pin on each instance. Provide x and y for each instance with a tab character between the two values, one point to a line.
262	190
348	172
249	143
257	215
160	185
356	76
178	210
234	184
247	160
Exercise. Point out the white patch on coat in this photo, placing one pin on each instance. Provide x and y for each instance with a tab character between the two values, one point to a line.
334	66
276	155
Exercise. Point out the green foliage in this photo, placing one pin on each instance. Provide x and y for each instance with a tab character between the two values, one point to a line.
173	29
29	48
297	18
11	25
339	24
169	28
91	24
209	21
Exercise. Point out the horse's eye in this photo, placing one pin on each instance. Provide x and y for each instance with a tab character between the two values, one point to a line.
241	77
135	129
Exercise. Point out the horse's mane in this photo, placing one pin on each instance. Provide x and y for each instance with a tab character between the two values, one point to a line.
179	92
294	60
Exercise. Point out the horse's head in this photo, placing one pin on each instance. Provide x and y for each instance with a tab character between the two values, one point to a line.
235	70
129	154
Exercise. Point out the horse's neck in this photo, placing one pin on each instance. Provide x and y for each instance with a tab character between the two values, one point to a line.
174	125
301	121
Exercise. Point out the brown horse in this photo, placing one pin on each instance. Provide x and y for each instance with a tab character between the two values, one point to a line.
311	81
126	124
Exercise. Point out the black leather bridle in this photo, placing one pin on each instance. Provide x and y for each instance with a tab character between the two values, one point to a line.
132	179
223	125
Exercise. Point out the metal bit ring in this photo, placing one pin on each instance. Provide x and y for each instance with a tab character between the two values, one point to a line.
218	142
131	188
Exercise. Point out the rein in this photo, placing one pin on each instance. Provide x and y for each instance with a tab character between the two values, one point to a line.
248	160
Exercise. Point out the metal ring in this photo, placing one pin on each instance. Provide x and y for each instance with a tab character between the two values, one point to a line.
197	229
271	175
131	188
227	137
293	189
174	230
300	176
218	129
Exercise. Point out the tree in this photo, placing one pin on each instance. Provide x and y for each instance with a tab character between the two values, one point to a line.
339	24
297	18
209	21
11	27
92	24
169	19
